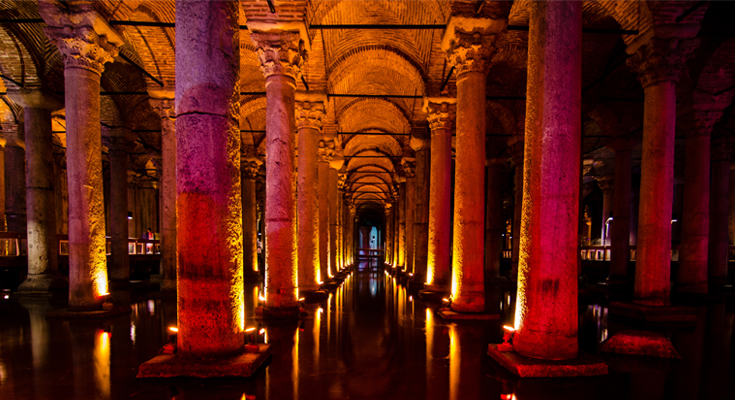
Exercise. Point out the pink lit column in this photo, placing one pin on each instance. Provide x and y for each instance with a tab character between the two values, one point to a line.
43	273
280	56
334	201
659	64
163	104
719	205
309	114
469	53
249	167
620	225
421	145
210	293
546	304
441	112
401	222
325	157
695	216
85	49
516	145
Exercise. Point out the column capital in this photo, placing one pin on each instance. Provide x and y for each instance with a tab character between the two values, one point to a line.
606	183
119	139
36	98
83	36
163	102
661	59
279	52
440	112
326	150
722	149
250	166
310	109
337	161
409	166
468	42
702	122
419	142
495	162
341	181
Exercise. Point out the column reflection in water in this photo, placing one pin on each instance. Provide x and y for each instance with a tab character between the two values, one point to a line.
465	363
102	362
687	376
437	350
283	337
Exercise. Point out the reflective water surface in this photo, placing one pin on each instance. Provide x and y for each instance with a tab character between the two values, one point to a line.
370	340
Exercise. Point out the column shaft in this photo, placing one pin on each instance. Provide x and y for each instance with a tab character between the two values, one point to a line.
323	174
211	312
719	208
410	213
249	218
119	268
546	305
438	272
421	215
15	185
620	225
168	197
494	223
402	226
308	244
333	212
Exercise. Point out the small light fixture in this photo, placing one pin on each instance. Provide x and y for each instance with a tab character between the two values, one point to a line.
173	329
130	215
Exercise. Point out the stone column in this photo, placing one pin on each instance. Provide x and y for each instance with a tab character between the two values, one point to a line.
85	46
620	225
719	208
281	55
163	104
731	215
401	222
606	183
309	113
388	229
409	170
249	167
421	145
695	214
441	113
3	226
494	222
119	143
15	172
546	302
210	287
468	49
353	225
659	64
334	201
43	245
516	145
326	153
346	223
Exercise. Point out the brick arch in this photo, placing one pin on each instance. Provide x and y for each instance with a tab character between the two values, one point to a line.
343	106
362	115
16	61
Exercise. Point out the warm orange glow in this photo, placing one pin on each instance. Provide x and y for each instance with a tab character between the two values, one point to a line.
454	363
509	328
102	362
410	298
99	276
173	329
302	299
430	274
249	330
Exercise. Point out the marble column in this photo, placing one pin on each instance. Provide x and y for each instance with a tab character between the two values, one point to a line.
309	114
346	223
334	201
659	64
249	167
3	226
15	172
163	103
388	212
494	222
353	226
516	145
421	146
546	302
468	49
401	222
86	46
719	205
606	183
210	292
441	113
43	250
119	142
409	170
325	155
620	224
281	55
695	213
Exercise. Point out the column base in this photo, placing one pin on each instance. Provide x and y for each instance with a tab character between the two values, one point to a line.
96	314
434	293
415	284
314	295
584	365
667	315
640	343
262	313
173	365
449	315
42	285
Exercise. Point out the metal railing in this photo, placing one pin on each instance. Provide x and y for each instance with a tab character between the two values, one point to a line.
15	244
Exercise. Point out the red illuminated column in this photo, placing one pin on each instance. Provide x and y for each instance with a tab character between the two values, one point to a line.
14	163
309	114
516	146
119	142
606	183
388	229
421	143
346	224
210	273
43	273
695	216
249	167
494	222
85	47
163	103
409	171
620	224
326	153
546	305
401	222
441	112
659	64
469	48
719	208
334	167
281	56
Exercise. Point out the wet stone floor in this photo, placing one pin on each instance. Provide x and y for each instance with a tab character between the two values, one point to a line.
369	340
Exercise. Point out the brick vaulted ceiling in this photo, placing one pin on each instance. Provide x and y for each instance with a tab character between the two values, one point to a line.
407	62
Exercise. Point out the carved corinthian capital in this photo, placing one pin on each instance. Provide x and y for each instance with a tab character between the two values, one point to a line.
440	113
470	52
661	59
309	111
279	53
82	47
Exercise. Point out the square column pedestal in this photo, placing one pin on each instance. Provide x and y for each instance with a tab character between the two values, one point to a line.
583	365
171	365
